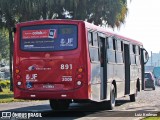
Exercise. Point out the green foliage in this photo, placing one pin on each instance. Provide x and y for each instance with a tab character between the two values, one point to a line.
98	12
4	46
4	83
7	96
151	118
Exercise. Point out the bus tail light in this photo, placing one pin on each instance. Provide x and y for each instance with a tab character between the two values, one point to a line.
79	83
80	70
17	71
19	83
79	76
18	77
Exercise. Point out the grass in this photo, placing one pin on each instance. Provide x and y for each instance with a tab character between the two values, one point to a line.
153	118
7	96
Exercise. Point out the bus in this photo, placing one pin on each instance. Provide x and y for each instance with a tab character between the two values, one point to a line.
66	61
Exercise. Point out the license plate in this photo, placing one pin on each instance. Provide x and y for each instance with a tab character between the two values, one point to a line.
48	86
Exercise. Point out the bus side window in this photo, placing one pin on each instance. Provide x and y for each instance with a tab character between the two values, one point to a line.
134	49
119	52
95	39
94	54
93	46
122	45
101	49
131	48
139	49
90	38
132	54
110	43
137	55
111	50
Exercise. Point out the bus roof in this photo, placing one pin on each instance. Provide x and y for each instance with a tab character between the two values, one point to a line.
88	25
103	30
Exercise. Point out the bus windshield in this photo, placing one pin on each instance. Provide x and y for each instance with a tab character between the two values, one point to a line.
48	38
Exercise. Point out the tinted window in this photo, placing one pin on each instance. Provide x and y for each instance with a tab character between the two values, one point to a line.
94	54
131	49
49	37
133	60
90	38
134	49
111	56
95	42
119	57
110	43
147	75
119	45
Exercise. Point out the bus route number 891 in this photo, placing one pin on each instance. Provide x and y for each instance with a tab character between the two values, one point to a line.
66	66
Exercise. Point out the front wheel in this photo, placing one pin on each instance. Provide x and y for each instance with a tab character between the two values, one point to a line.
59	104
153	88
112	101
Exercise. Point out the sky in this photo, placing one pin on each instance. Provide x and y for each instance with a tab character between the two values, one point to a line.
143	23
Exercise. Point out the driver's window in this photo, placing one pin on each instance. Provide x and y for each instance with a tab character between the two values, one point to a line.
145	56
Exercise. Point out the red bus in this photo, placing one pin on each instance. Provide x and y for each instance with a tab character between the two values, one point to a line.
67	61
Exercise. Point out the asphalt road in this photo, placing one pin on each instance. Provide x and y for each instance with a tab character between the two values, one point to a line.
147	104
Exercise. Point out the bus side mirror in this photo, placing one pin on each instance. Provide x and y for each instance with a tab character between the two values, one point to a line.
145	56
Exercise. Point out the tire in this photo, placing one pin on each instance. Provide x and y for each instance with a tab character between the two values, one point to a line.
133	96
153	88
112	101
59	104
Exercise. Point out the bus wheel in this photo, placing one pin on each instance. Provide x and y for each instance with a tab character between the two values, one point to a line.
112	101
59	104
133	96
154	88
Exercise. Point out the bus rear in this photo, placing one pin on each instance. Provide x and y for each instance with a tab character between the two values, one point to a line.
50	60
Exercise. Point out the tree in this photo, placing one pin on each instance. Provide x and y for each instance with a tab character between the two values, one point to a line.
108	12
4	46
7	21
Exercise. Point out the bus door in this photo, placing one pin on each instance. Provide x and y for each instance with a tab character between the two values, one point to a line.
103	66
127	68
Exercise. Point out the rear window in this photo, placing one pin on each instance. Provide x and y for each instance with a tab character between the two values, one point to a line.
48	38
147	75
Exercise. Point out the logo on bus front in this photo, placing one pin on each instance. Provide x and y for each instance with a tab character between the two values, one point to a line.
31	76
36	67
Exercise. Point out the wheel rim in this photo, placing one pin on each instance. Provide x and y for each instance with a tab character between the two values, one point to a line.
113	96
136	92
